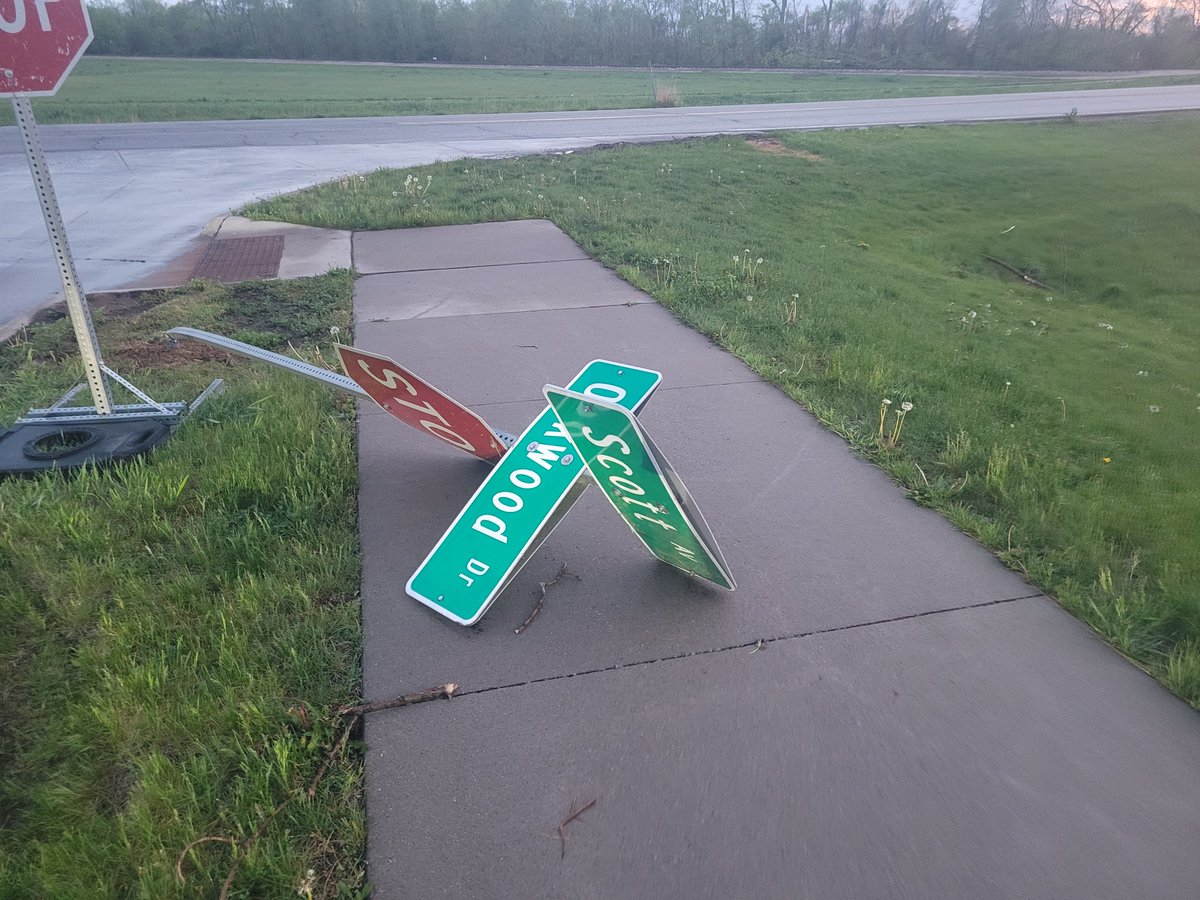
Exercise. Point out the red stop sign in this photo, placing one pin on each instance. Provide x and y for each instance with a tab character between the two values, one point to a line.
40	42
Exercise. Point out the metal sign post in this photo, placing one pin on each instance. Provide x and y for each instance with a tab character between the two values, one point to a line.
81	317
39	45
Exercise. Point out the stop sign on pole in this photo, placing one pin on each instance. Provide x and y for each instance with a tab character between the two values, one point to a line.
40	42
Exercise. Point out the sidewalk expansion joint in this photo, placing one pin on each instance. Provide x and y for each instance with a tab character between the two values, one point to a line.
748	645
424	316
486	404
501	265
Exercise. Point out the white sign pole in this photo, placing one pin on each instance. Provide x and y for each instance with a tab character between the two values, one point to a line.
81	318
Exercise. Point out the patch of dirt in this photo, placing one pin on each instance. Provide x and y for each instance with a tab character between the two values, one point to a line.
162	355
776	148
116	305
125	304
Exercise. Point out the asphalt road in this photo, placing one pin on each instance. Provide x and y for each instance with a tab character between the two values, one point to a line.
134	196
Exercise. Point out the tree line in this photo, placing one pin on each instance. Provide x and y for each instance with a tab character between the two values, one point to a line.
1001	34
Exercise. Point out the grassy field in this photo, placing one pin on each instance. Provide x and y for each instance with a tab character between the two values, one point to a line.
1056	423
143	90
178	630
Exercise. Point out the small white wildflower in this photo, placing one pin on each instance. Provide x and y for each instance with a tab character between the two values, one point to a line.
887	402
395	193
972	314
1143	373
1155	409
334	330
758	262
905	406
1105	325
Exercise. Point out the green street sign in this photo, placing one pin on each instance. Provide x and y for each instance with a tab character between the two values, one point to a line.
523	498
640	483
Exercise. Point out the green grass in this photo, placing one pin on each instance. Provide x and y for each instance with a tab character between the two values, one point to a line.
145	90
1059	426
177	629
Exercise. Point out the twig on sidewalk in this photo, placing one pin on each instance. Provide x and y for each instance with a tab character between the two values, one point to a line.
571	817
442	691
545	585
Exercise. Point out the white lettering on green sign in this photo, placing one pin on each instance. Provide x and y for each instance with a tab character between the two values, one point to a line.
518	504
640	484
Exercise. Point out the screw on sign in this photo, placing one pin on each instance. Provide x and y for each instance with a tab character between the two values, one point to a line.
40	42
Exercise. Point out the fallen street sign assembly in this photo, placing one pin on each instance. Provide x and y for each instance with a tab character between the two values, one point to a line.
417	403
640	483
519	504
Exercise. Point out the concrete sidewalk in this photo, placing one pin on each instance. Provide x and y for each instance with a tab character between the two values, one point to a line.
917	721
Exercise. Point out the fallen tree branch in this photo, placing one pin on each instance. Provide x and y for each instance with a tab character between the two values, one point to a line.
1028	279
571	817
446	691
545	585
196	843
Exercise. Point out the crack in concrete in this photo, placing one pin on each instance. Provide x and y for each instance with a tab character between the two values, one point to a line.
530	262
760	642
508	312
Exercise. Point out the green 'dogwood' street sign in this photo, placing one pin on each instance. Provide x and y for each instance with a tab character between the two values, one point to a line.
523	498
640	483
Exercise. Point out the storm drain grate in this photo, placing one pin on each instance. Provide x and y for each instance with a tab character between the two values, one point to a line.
240	259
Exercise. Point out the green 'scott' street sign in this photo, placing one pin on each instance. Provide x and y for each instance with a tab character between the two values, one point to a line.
640	483
519	504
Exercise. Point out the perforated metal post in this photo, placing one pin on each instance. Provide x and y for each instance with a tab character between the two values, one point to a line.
81	318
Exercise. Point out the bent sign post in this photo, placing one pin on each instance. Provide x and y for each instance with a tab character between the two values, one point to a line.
640	483
523	498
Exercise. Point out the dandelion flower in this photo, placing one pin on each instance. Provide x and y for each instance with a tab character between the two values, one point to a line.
334	330
758	262
1107	460
905	406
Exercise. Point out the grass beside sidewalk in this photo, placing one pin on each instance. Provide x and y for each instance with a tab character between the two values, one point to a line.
177	629
103	89
864	270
